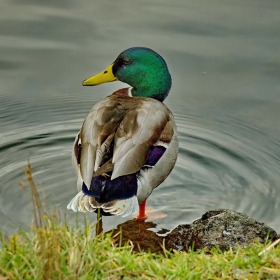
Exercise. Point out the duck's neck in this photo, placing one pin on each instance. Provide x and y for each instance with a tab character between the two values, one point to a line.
155	85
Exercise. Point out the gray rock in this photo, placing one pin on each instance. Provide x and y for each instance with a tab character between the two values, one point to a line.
219	228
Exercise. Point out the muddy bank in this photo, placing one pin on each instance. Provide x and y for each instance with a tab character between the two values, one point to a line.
221	228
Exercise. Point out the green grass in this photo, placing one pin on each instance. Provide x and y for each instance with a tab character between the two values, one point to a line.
52	250
58	252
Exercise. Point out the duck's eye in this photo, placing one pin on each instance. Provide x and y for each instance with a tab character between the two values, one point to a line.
126	61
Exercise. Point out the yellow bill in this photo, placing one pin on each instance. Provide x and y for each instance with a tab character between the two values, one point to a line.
103	77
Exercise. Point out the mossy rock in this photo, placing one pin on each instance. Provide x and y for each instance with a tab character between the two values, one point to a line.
221	228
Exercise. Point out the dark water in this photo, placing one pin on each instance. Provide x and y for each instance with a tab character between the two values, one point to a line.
224	57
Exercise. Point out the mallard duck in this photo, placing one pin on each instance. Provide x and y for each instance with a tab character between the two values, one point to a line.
128	143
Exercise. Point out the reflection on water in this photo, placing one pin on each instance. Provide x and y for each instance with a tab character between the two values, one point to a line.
225	98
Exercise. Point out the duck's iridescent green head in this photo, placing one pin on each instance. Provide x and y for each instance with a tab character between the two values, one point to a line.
142	68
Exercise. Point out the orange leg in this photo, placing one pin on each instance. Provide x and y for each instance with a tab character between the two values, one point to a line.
141	215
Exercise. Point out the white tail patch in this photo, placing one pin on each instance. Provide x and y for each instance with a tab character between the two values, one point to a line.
123	208
84	203
74	203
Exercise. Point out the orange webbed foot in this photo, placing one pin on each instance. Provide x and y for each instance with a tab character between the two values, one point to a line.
141	215
140	218
152	213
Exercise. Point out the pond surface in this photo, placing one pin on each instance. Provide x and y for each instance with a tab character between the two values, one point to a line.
224	58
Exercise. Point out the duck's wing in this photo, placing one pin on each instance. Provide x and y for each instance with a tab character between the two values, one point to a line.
97	134
125	128
139	130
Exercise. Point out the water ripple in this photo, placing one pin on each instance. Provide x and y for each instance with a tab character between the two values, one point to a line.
214	169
